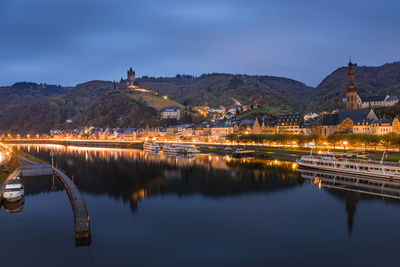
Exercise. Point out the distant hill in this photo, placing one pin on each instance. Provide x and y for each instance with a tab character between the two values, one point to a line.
21	93
37	108
370	81
226	89
38	113
125	108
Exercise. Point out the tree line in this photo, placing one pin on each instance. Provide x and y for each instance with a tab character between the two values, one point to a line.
348	140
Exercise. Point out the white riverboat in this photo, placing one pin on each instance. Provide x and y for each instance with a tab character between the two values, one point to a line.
151	147
14	190
178	149
342	163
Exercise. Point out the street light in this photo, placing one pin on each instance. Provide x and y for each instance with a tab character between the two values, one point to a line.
344	144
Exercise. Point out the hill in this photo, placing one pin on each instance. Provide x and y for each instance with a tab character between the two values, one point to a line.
37	108
228	89
370	81
125	108
38	113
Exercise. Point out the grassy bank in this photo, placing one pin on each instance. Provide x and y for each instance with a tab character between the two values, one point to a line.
10	167
29	156
287	154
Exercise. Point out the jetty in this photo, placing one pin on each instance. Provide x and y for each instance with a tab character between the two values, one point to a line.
81	215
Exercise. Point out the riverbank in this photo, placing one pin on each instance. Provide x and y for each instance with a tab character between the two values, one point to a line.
261	152
291	154
8	168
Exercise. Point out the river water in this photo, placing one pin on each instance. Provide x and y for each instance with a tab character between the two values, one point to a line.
149	210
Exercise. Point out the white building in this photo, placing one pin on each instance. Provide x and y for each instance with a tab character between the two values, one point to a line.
170	112
379	101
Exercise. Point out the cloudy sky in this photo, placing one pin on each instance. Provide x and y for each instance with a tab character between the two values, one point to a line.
71	41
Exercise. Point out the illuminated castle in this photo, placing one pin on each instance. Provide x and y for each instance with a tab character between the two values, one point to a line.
130	82
131	78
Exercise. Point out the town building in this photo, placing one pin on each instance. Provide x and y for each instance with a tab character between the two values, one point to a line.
379	101
289	124
170	112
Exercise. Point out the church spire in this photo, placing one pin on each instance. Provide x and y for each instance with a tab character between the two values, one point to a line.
351	86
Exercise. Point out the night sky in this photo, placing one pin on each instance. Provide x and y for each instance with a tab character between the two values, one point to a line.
69	42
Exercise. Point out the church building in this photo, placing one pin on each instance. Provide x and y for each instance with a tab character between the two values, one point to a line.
354	101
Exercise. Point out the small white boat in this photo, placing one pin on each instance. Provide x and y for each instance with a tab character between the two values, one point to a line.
14	190
151	147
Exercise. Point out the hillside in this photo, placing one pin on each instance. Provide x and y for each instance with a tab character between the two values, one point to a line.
36	113
124	108
223	89
118	109
370	81
37	108
21	93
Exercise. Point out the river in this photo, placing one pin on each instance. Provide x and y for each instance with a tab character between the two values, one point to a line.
151	210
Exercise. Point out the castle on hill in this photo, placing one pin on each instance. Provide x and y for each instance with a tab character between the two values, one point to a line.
132	84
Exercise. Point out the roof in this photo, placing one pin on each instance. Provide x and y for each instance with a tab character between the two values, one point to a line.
383	122
330	119
289	118
373	98
393	97
356	116
169	108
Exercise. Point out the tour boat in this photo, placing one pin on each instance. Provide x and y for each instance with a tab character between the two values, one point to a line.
176	149
14	190
151	147
342	163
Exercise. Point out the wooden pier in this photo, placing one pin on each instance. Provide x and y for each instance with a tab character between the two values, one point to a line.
81	215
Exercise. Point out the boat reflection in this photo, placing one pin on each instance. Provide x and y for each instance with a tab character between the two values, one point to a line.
353	187
14	207
362	185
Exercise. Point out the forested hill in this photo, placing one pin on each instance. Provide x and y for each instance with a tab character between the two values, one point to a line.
228	89
370	81
37	108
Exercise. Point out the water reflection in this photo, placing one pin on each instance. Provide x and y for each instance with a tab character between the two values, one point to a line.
149	210
14	207
132	175
352	187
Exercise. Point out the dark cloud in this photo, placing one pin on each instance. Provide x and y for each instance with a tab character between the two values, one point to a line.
73	41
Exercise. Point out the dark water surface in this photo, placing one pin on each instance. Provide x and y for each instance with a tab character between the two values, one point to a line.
208	211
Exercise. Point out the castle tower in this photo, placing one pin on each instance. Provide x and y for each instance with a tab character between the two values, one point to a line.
353	100
131	77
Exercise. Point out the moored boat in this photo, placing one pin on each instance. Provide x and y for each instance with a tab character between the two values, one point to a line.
14	190
176	149
342	163
151	147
